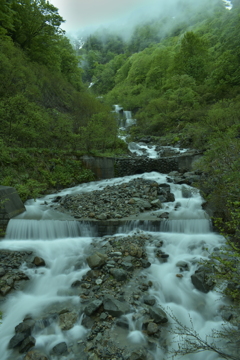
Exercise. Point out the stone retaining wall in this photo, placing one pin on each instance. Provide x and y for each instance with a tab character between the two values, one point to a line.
108	168
125	167
10	206
111	227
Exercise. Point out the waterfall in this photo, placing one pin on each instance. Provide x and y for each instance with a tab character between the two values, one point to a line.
186	238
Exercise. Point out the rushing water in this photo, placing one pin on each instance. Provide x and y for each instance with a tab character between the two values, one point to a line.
186	236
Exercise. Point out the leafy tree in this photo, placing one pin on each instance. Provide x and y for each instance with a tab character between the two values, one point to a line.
192	57
6	17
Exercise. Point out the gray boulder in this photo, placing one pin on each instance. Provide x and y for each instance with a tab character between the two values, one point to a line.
158	315
67	320
27	344
92	307
201	280
60	349
115	307
96	260
119	274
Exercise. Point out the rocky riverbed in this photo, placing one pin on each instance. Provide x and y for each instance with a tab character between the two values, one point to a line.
116	310
116	317
128	200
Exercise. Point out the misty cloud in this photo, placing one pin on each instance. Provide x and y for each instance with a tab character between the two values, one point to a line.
87	16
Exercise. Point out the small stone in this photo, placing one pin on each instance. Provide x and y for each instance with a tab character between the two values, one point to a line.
103	316
98	281
179	275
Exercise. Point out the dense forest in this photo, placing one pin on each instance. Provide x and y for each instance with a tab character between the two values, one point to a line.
47	116
179	73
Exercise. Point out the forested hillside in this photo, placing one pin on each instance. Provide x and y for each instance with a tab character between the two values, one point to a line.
46	113
180	75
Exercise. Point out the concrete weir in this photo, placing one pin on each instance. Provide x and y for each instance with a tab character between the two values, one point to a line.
108	168
10	205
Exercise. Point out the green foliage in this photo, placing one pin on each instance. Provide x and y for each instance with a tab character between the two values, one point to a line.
34	171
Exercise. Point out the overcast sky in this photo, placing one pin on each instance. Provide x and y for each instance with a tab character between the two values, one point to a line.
83	13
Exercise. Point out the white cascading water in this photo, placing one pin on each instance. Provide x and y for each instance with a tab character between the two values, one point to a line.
186	236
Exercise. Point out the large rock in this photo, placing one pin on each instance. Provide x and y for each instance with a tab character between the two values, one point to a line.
158	315
96	260
25	327
119	274
92	307
115	307
60	349
17	340
142	203
201	280
67	320
27	344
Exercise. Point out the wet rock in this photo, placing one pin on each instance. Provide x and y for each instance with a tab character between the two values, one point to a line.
119	274
135	250
186	192
164	215
149	300
102	216
60	349
156	203
143	203
25	327
158	315
96	260
182	265
38	261
201	280
127	266
115	307
145	263
92	307
152	328
17	340
67	320
5	290
27	344
76	283
2	271
170	197
87	322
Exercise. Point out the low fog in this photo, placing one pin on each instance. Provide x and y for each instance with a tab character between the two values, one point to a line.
121	16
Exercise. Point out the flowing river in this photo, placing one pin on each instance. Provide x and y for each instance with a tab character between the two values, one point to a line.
62	242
